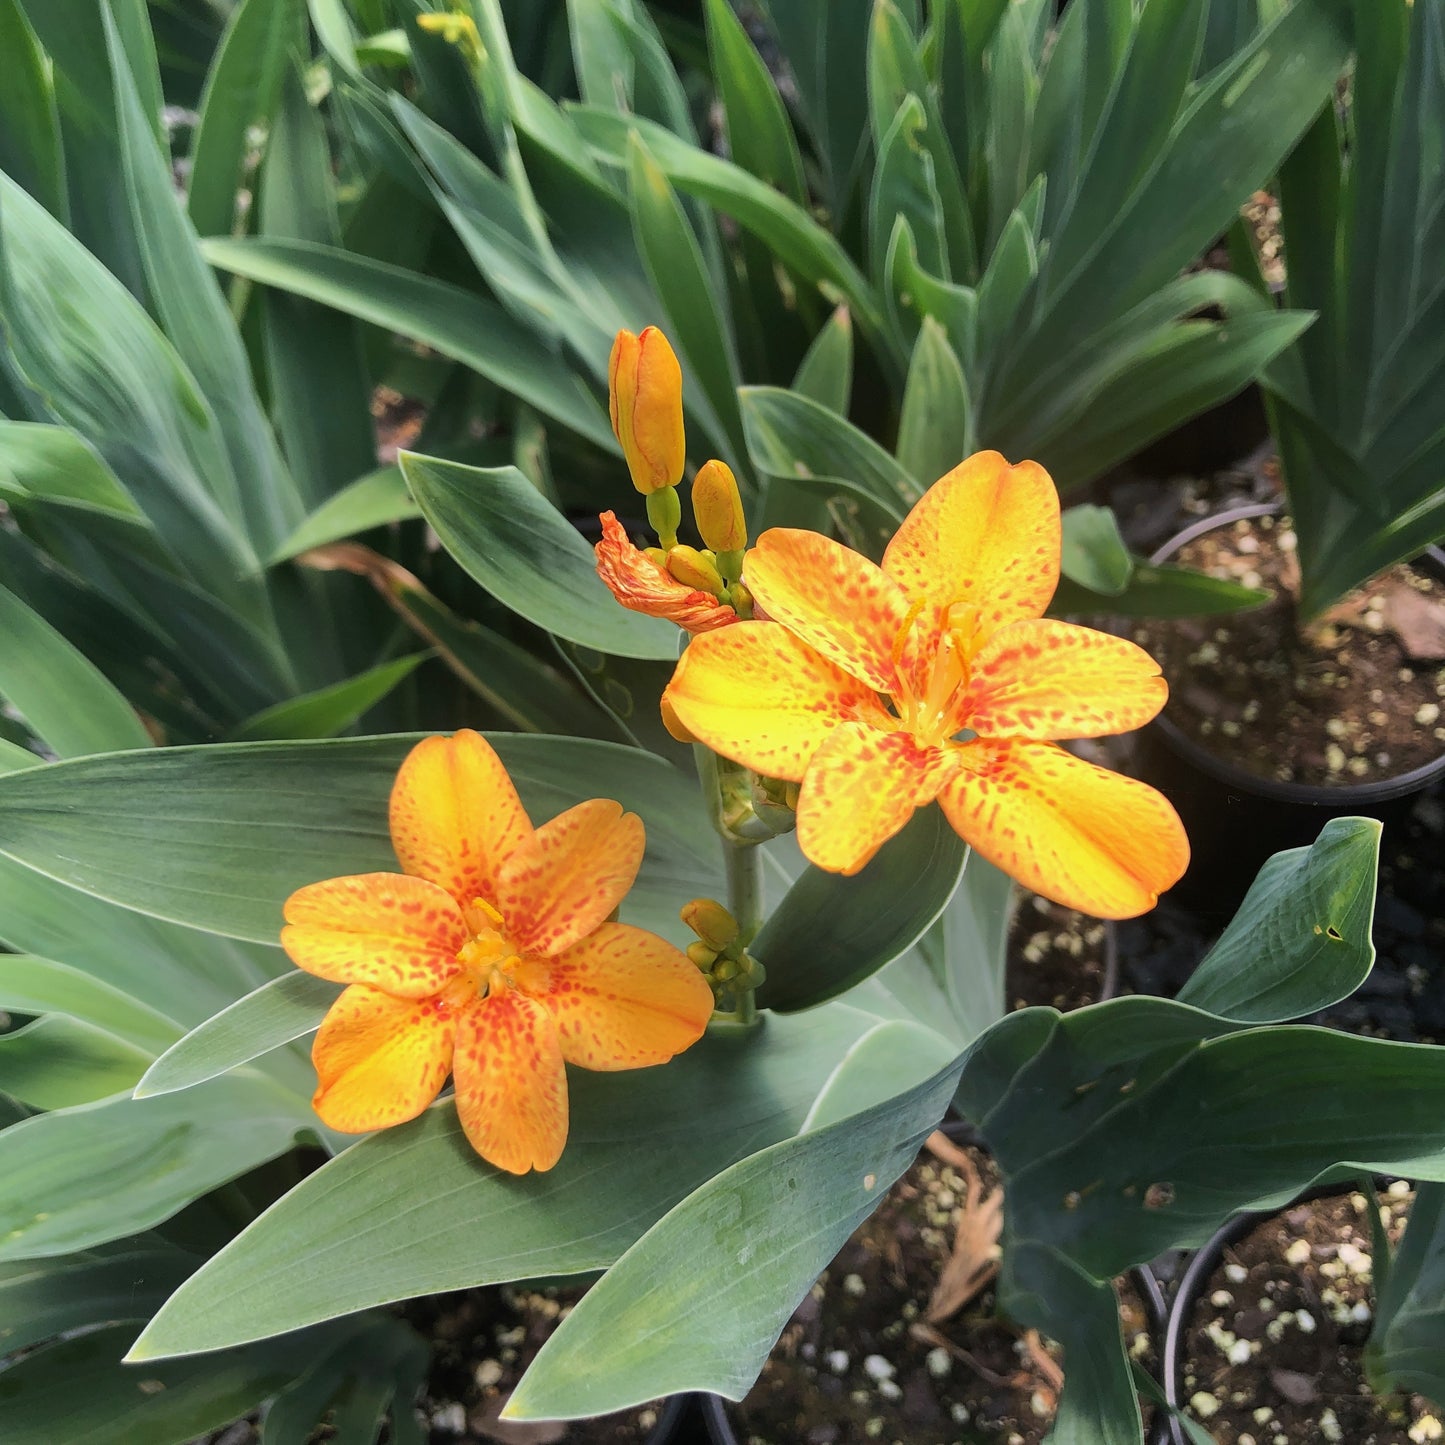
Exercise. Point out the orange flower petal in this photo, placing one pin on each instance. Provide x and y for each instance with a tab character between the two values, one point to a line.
761	696
622	998
510	1082
379	1060
840	604
1087	838
455	815
1044	679
639	584
861	787
986	534
384	929
569	876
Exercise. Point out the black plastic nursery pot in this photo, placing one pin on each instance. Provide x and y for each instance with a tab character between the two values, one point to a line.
1235	818
1189	1298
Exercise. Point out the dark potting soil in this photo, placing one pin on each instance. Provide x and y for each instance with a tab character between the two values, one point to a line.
857	1362
1355	697
1056	956
482	1340
1273	1355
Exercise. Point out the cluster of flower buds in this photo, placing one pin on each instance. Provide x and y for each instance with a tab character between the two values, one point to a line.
645	402
719	951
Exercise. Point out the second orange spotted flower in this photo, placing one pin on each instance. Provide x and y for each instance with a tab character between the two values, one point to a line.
936	676
491	958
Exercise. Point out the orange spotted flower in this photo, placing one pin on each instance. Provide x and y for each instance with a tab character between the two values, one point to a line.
936	676
643	585
490	957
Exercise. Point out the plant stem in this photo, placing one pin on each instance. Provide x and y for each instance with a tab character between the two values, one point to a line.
745	902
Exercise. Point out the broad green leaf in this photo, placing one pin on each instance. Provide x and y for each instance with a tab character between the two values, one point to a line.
800	243
760	136
1096	1120
1407	1344
77	1390
258	491
289	1007
1006	286
524	552
13	757
315	357
935	432
628	691
831	932
78	1177
375	500
63	697
1040	1287
904	190
879	1067
195	835
31	985
413	1210
455	322
176	973
40	463
737	1255
826	373
105	369
51	1297
30	145
58	1061
974	930
242	90
329	710
1189	368
792	436
1301	939
1159	590
1094	554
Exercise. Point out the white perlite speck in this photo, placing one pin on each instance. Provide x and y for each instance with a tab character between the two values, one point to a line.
877	1368
940	1363
1203	1404
838	1361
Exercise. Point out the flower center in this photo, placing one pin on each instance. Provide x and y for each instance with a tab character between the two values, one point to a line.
930	712
488	958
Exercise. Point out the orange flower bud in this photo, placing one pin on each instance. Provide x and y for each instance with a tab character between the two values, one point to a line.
644	386
711	922
719	508
695	569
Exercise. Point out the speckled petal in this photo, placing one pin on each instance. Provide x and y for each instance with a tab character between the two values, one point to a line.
761	696
1045	679
1087	838
841	604
861	787
622	998
455	815
510	1082
393	932
987	534
379	1060
573	872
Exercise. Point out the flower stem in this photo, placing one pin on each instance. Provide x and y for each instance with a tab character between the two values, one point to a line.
745	902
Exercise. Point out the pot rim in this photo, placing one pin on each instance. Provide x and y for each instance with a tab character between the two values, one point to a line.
1340	797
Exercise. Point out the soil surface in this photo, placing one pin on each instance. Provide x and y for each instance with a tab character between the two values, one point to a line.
1273	1355
1356	697
482	1341
858	1363
1056	957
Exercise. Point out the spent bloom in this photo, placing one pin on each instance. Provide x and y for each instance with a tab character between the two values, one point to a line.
937	677
489	957
640	582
